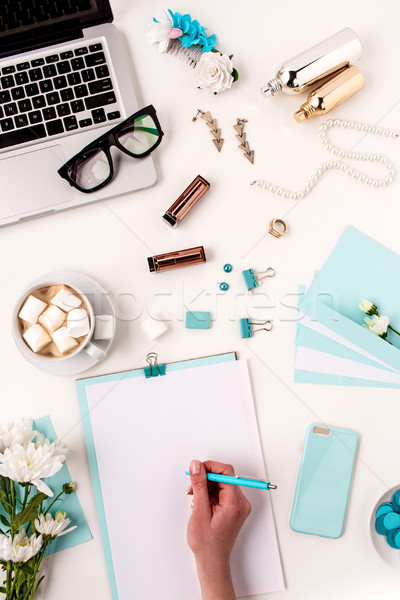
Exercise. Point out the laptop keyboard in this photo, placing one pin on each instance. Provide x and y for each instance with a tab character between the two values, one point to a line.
30	12
56	94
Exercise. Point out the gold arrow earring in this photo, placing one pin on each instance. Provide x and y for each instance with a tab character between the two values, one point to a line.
241	137
212	124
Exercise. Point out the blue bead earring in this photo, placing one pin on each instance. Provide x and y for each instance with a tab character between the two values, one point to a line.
223	286
227	268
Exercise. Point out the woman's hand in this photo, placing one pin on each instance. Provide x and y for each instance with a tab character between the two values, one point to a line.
219	511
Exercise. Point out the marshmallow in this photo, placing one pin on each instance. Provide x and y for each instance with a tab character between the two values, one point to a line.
63	340
152	328
31	309
36	337
66	300
78	322
52	318
104	327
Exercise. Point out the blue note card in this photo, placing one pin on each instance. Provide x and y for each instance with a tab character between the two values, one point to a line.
306	337
358	268
68	503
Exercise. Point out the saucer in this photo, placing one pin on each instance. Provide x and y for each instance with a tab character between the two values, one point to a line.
101	304
390	555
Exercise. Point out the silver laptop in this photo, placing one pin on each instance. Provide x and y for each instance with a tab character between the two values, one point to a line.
64	81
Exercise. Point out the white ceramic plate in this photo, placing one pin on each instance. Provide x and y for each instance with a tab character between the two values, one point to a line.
390	555
101	304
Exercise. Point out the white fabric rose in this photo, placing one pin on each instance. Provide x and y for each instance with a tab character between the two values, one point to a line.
214	72
378	325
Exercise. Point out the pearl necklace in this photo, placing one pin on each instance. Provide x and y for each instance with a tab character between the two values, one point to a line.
338	164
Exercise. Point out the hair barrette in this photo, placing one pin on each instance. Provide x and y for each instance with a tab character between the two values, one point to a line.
184	37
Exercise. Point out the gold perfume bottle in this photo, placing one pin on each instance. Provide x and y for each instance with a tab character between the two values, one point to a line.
331	93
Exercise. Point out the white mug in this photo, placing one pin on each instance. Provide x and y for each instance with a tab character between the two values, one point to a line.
86	346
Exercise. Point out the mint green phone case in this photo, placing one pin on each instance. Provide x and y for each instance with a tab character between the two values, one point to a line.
324	480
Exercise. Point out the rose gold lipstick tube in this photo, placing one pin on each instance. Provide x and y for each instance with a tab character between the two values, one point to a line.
186	201
172	260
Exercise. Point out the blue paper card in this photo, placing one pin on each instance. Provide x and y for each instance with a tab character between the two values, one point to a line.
314	340
68	503
358	268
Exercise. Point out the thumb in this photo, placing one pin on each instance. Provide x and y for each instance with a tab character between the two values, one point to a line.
198	479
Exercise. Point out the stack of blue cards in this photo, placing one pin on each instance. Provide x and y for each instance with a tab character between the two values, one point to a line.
332	346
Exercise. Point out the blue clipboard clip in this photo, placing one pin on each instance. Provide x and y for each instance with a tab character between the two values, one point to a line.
154	369
253	279
246	327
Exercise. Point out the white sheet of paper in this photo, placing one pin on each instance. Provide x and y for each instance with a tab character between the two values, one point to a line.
307	321
308	359
145	433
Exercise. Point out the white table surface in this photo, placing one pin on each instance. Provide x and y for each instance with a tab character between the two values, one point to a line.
110	242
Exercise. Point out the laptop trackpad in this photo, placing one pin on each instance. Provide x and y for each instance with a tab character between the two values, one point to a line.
30	182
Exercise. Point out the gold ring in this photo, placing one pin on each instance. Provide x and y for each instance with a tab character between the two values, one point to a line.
277	227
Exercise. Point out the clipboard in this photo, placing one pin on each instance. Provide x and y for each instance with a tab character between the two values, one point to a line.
100	399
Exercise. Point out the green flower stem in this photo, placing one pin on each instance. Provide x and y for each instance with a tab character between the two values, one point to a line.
392	329
54	501
31	586
8	579
14	581
13	506
27	489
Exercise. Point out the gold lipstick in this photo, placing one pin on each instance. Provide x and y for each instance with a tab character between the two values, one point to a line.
186	201
173	260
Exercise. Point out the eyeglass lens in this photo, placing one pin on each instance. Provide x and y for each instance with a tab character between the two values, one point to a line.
140	136
91	171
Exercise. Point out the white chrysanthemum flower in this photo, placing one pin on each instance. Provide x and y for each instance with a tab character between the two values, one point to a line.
20	548
19	432
368	307
53	527
33	462
378	325
213	72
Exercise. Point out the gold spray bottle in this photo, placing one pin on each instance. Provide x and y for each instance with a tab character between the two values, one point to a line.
330	94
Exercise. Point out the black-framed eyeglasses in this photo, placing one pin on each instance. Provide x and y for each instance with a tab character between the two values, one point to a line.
92	168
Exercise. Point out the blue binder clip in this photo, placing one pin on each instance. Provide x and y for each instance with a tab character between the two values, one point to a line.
246	327
253	279
154	369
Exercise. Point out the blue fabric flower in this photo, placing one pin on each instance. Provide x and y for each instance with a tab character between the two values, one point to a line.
209	43
193	32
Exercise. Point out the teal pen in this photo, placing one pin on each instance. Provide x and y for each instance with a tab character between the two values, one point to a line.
243	481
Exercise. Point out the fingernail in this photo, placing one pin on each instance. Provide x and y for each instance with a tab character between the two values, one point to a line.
195	467
188	490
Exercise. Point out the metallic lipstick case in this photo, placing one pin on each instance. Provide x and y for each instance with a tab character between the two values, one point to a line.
186	201
173	260
316	63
